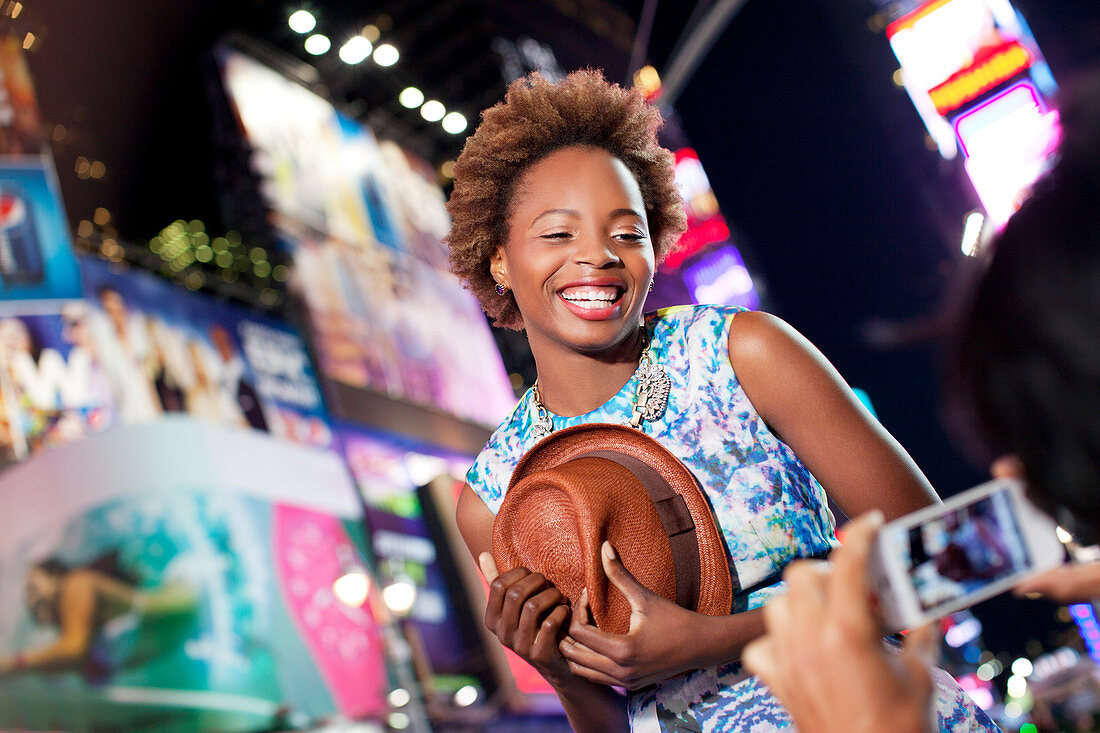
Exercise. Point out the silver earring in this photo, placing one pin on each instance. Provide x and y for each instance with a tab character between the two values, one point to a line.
502	289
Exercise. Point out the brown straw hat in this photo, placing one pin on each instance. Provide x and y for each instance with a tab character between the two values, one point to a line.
590	483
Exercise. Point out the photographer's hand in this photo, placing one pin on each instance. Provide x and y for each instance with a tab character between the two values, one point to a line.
823	656
1076	583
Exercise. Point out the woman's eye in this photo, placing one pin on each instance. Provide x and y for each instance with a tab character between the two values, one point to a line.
555	235
630	236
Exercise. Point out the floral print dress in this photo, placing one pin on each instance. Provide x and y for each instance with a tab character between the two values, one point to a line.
768	506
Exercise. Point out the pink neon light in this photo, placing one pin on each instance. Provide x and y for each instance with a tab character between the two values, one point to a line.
686	154
694	239
979	114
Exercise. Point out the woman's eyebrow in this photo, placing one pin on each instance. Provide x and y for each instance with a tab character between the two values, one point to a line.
572	212
548	212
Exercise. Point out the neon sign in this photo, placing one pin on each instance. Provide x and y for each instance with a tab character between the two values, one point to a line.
1084	615
1007	141
706	225
993	67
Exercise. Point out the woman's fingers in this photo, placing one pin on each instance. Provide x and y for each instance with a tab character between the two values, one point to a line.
545	645
498	588
501	611
532	612
488	567
622	578
515	597
592	675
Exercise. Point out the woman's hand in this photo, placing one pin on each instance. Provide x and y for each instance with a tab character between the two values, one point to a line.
527	614
823	657
658	645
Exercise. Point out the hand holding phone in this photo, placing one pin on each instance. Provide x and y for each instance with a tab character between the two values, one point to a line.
949	556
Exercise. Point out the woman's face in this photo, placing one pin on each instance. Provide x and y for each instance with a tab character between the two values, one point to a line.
578	257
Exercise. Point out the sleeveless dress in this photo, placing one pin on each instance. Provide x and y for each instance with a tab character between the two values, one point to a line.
768	506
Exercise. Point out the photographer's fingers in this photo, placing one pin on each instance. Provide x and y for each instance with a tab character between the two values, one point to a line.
806	584
848	586
1007	466
919	655
1067	584
761	658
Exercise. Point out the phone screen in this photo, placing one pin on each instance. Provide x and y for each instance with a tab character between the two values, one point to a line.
962	550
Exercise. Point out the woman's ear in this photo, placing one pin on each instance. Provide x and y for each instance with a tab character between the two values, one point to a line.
498	266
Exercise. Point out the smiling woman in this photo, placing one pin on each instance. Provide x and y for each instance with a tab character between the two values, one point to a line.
563	205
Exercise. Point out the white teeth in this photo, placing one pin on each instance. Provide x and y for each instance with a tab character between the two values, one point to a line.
591	297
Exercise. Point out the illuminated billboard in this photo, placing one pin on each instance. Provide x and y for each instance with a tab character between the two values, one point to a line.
979	81
160	592
140	349
705	266
363	221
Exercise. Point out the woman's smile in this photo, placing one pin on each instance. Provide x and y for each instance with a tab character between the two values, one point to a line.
596	299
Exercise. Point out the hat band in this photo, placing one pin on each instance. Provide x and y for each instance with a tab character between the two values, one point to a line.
675	518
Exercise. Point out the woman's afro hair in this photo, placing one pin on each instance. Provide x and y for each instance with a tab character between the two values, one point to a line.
537	118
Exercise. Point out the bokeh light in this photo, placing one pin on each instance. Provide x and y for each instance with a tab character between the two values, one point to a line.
302	21
454	123
355	50
411	97
386	55
433	111
318	44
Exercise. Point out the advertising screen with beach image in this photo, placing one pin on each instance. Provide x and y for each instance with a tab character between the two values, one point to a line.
161	593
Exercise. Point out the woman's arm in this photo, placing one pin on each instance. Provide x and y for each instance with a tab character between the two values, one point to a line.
76	608
527	614
805	401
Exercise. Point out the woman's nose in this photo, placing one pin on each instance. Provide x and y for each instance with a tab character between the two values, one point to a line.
595	250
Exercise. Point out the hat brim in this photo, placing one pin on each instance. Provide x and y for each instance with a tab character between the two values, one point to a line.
715	587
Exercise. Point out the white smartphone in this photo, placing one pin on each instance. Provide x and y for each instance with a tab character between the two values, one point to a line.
947	557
